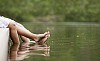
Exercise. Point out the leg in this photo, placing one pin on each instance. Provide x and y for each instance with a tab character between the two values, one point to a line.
28	34
13	33
25	39
21	30
15	40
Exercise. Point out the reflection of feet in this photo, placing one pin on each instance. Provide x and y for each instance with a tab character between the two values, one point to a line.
42	37
23	52
22	57
46	48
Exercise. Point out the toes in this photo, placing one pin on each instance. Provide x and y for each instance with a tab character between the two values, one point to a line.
48	32
47	36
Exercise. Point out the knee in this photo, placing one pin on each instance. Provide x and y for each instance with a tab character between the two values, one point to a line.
12	25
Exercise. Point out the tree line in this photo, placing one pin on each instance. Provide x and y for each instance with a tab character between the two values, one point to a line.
59	10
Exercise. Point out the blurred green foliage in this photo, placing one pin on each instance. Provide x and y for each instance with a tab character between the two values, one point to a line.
51	10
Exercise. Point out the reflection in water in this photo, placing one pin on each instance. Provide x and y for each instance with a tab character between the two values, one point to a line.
26	50
13	52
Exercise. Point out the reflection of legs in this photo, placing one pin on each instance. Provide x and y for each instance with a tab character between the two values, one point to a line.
23	48
13	52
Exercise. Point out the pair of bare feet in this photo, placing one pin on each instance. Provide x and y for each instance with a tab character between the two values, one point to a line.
42	38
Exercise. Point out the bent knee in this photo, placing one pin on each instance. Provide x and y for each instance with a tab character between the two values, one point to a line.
12	25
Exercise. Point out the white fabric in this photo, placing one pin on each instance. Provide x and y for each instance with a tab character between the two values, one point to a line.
4	37
4	22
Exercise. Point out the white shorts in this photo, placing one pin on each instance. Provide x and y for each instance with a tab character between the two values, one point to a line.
4	22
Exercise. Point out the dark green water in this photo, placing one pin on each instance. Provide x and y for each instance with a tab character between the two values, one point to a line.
68	41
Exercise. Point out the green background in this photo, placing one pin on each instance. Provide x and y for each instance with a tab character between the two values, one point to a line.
51	10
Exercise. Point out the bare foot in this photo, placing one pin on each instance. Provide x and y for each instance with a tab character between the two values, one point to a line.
42	36
44	39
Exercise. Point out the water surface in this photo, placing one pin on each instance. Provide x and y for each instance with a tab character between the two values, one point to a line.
69	41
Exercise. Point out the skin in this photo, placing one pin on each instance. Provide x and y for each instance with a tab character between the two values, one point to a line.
25	34
24	51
